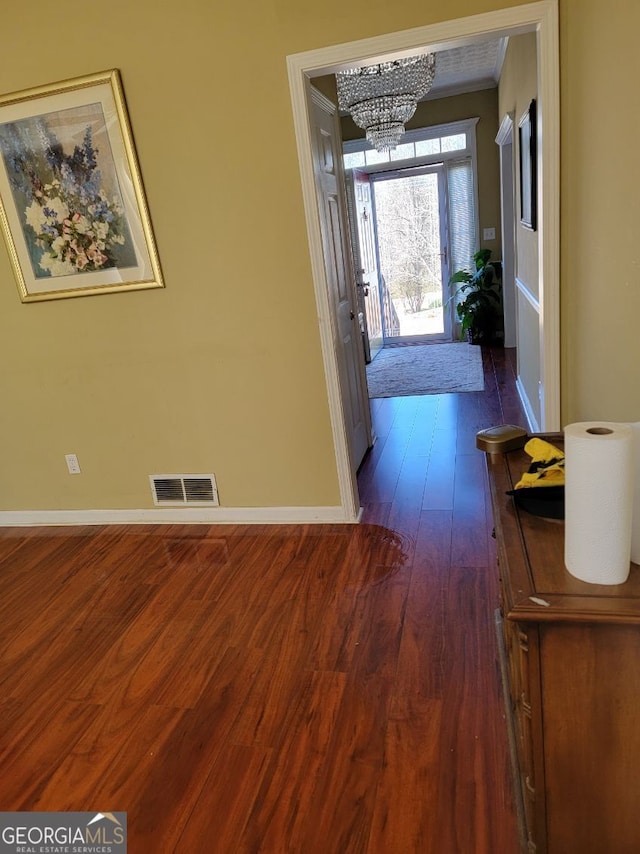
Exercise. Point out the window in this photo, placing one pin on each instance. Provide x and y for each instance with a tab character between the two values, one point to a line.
457	142
427	146
403	151
372	156
353	160
457	137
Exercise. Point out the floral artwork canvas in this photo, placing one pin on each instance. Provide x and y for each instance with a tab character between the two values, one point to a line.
73	209
63	180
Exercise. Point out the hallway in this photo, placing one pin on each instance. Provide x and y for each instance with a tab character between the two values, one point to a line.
425	480
422	441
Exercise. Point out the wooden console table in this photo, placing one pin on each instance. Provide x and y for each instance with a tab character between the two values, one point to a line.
573	673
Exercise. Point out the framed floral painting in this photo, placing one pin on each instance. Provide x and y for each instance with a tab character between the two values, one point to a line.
72	205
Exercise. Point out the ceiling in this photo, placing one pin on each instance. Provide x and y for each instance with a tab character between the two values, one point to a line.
468	69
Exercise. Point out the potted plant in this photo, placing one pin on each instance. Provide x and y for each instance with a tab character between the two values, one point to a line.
477	299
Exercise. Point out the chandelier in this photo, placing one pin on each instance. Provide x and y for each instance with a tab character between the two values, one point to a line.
382	98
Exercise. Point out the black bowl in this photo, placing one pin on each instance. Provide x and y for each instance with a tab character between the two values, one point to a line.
547	501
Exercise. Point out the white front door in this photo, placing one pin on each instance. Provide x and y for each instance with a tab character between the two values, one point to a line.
412	231
327	161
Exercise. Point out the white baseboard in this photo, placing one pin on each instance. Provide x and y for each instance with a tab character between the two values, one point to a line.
534	427
186	516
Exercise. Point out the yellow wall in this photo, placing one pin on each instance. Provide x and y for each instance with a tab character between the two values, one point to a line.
222	370
518	86
600	209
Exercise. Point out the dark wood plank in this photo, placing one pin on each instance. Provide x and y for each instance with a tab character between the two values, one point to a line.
286	802
411	750
162	794
438	491
470	533
223	812
469	815
31	754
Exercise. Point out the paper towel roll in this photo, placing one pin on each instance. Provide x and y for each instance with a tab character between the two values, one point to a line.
635	519
599	476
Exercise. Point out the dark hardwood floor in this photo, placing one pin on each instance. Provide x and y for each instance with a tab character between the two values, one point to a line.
313	689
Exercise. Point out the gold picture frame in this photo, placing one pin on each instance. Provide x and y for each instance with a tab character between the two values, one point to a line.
72	205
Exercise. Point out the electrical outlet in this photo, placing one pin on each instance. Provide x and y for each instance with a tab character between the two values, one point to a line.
72	463
488	234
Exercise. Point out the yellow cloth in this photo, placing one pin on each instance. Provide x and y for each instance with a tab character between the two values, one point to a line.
547	465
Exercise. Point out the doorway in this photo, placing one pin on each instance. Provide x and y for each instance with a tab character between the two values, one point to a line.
539	17
414	219
411	228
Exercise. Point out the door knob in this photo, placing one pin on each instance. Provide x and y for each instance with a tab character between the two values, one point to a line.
351	315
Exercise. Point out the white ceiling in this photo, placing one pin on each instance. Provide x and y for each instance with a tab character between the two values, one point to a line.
468	69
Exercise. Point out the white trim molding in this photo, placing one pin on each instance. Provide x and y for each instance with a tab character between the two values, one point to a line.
528	294
504	139
532	422
505	131
548	148
502	53
177	516
540	17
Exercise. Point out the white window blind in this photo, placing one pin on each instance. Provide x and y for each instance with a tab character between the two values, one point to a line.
462	214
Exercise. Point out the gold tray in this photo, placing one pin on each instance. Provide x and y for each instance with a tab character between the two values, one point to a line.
499	440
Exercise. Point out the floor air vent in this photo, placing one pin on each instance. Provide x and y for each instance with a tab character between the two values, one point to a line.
181	489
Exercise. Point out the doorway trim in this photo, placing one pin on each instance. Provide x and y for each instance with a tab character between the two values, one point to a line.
540	17
504	139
